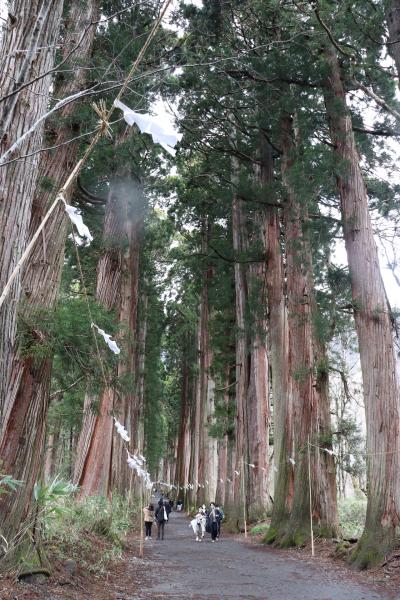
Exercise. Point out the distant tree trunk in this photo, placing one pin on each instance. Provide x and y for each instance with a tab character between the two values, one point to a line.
36	26
183	451
252	395
207	470
141	359
374	330
242	366
223	473
308	378
393	22
258	410
52	451
117	289
195	420
278	330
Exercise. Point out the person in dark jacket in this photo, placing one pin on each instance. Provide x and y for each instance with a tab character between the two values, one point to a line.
220	518
213	515
161	518
167	504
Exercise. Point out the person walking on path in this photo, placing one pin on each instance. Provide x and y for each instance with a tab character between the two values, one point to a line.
212	519
220	518
167	504
148	520
161	518
195	524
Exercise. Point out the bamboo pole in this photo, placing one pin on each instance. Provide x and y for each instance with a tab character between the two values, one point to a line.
309	485
141	544
244	500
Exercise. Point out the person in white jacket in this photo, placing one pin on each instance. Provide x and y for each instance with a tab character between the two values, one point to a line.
195	524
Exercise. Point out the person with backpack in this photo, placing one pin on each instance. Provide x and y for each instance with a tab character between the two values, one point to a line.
161	518
148	520
168	506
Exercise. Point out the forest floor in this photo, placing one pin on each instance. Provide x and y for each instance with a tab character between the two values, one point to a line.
180	568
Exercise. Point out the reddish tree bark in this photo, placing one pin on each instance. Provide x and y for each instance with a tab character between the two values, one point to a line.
278	331
27	404
117	289
35	25
309	396
252	395
373	324
22	422
183	450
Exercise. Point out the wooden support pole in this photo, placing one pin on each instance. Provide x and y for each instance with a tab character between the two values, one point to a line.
244	499
309	485
141	544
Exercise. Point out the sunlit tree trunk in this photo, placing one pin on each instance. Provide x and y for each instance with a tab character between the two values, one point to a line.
374	330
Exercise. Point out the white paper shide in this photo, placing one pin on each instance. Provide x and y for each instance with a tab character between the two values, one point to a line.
107	338
161	132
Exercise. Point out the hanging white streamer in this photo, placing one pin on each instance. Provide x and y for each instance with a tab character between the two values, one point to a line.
330	452
252	466
122	431
107	338
161	133
76	219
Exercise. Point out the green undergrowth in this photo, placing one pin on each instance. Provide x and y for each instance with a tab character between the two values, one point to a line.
352	513
92	532
260	529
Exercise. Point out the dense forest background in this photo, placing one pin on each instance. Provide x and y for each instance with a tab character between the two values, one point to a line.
241	278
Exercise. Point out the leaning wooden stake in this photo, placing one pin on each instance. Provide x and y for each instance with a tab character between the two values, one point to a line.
309	485
244	500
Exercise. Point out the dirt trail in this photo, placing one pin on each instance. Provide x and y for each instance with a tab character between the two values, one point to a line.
179	567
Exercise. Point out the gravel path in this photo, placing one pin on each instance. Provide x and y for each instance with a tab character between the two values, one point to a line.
182	568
